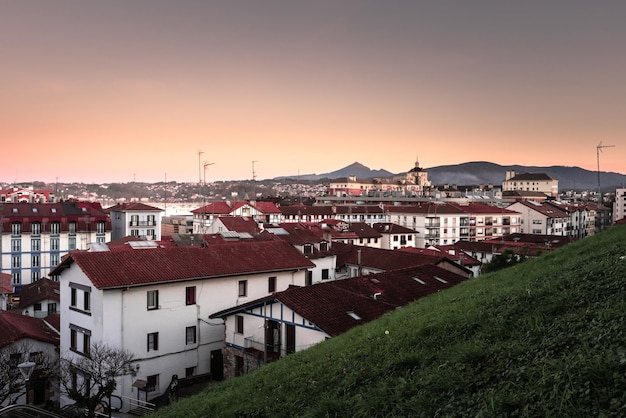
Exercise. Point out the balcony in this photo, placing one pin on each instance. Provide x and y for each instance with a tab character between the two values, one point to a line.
433	223
142	223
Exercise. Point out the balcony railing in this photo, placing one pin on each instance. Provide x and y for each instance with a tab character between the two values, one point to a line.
142	223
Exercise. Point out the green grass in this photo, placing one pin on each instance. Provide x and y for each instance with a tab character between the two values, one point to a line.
545	338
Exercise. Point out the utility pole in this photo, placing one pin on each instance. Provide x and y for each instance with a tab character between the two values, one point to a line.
204	199
253	172
200	167
598	150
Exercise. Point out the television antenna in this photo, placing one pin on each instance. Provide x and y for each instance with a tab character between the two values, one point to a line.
253	172
598	150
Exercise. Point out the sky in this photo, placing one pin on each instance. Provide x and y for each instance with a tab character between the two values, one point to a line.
190	90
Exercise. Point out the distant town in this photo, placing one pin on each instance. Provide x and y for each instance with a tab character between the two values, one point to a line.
189	283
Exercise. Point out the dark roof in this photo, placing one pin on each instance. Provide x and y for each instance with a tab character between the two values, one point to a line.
328	305
112	269
318	210
37	291
5	283
391	228
298	234
380	259
240	224
16	326
531	177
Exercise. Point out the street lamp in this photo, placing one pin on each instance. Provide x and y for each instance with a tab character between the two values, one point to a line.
26	369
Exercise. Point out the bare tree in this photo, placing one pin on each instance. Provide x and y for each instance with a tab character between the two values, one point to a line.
11	380
88	380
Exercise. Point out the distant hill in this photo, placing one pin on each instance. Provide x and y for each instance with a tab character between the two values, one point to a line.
483	172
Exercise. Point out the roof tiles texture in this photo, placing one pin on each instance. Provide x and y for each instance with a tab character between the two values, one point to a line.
16	326
140	267
37	291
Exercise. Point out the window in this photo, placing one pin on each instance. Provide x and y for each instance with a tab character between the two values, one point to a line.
309	278
35	275
153	383
35	261
190	295
16	261
323	246
190	371
153	341
16	228
395	238
190	335
87	301
271	284
325	274
243	287
16	278
16	245
100	227
239	324
36	307
308	249
153	300
71	243
55	228
54	244
35	228
52	308
72	227
75	334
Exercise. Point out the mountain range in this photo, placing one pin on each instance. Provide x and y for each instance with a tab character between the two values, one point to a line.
483	172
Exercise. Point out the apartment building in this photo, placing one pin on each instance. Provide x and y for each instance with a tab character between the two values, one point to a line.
36	235
137	220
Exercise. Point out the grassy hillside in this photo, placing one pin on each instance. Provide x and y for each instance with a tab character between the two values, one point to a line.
544	338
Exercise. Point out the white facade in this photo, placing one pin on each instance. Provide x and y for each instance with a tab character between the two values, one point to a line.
619	206
167	333
537	221
136	219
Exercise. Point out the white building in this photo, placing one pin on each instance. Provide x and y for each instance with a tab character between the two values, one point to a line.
137	220
36	235
531	182
619	205
156	302
542	219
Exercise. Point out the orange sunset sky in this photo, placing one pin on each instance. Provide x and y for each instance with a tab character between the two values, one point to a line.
116	91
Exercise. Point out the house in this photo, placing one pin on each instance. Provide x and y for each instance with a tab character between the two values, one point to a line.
356	233
27	195
40	298
25	338
395	236
300	213
531	182
355	261
297	318
312	246
135	219
36	235
261	212
452	253
542	218
155	303
235	224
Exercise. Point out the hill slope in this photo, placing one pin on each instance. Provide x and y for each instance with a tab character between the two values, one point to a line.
543	338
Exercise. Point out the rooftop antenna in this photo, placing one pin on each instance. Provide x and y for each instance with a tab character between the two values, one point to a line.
598	150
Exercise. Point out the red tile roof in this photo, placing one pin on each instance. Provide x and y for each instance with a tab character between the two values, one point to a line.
140	267
37	291
240	224
16	326
328	305
391	228
133	206
215	208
